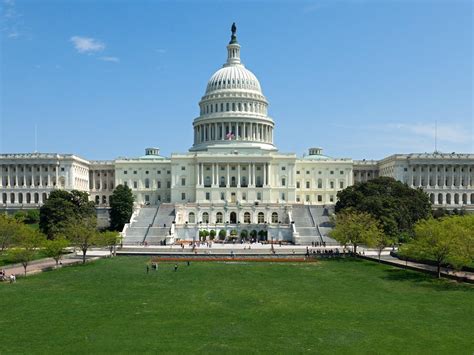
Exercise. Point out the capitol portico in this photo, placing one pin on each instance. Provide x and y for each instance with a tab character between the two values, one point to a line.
233	177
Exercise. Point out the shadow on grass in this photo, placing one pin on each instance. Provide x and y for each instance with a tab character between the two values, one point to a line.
425	280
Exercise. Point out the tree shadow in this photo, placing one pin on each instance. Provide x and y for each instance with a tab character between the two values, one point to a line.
427	280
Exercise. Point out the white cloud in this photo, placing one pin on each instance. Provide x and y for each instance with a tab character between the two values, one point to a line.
87	45
110	59
161	50
450	133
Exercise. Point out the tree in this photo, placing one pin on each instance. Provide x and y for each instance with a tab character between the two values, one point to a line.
82	234
222	234
55	248
109	239
394	204
203	234
32	216
448	240
29	241
62	208
355	228
121	207
9	231
262	234
244	234
212	234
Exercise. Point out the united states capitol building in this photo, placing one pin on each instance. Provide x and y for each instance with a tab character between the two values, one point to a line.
233	177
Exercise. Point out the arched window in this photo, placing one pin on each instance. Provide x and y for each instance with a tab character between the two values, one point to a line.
464	199
45	197
28	197
244	181
222	184
97	200
448	199
20	198
247	217
432	198
456	199
191	217
12	198
232	183
227	106
205	217
219	217
4	198
260	217
440	199
37	197
104	199
274	217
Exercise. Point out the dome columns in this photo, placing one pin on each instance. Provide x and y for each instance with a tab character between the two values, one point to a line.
233	131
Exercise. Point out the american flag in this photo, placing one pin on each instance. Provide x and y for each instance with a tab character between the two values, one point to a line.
230	136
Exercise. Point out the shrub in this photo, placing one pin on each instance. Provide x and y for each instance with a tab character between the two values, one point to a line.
222	234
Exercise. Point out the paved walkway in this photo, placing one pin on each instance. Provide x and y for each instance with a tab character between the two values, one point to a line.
388	259
37	266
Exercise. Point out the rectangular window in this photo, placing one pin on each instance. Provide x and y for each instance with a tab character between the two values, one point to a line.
259	196
297	172
159	184
159	171
168	172
244	196
341	184
320	198
183	168
135	172
307	198
208	196
297	198
331	183
331	172
297	184
283	168
183	181
283	196
331	198
146	172
308	184
341	172
125	183
183	196
222	196
147	198
168	184
135	184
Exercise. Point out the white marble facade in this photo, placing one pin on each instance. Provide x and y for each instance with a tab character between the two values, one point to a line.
232	163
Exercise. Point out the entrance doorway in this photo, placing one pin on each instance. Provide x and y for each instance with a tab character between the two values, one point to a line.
233	218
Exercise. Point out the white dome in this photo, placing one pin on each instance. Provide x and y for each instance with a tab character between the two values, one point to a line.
233	77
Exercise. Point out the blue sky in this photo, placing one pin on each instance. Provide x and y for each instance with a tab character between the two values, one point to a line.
362	79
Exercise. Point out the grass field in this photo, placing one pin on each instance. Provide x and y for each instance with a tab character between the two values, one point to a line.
345	306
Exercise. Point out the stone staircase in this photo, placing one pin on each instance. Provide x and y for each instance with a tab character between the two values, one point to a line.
139	226
305	227
322	219
161	224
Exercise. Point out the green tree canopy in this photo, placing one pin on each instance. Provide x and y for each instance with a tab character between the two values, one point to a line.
449	240
10	229
121	207
61	208
394	204
55	248
82	234
29	241
354	228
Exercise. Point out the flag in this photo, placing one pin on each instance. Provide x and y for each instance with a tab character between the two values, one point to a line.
230	136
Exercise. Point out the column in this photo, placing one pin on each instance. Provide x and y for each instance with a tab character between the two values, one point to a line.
215	131
245	131
57	175
237	130
264	166
196	168
452	180
213	177
24	175
249	177
238	175
227	182
202	174
49	175
269	178
253	175
101	178
40	177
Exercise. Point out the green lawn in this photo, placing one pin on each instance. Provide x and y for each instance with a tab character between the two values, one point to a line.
344	306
